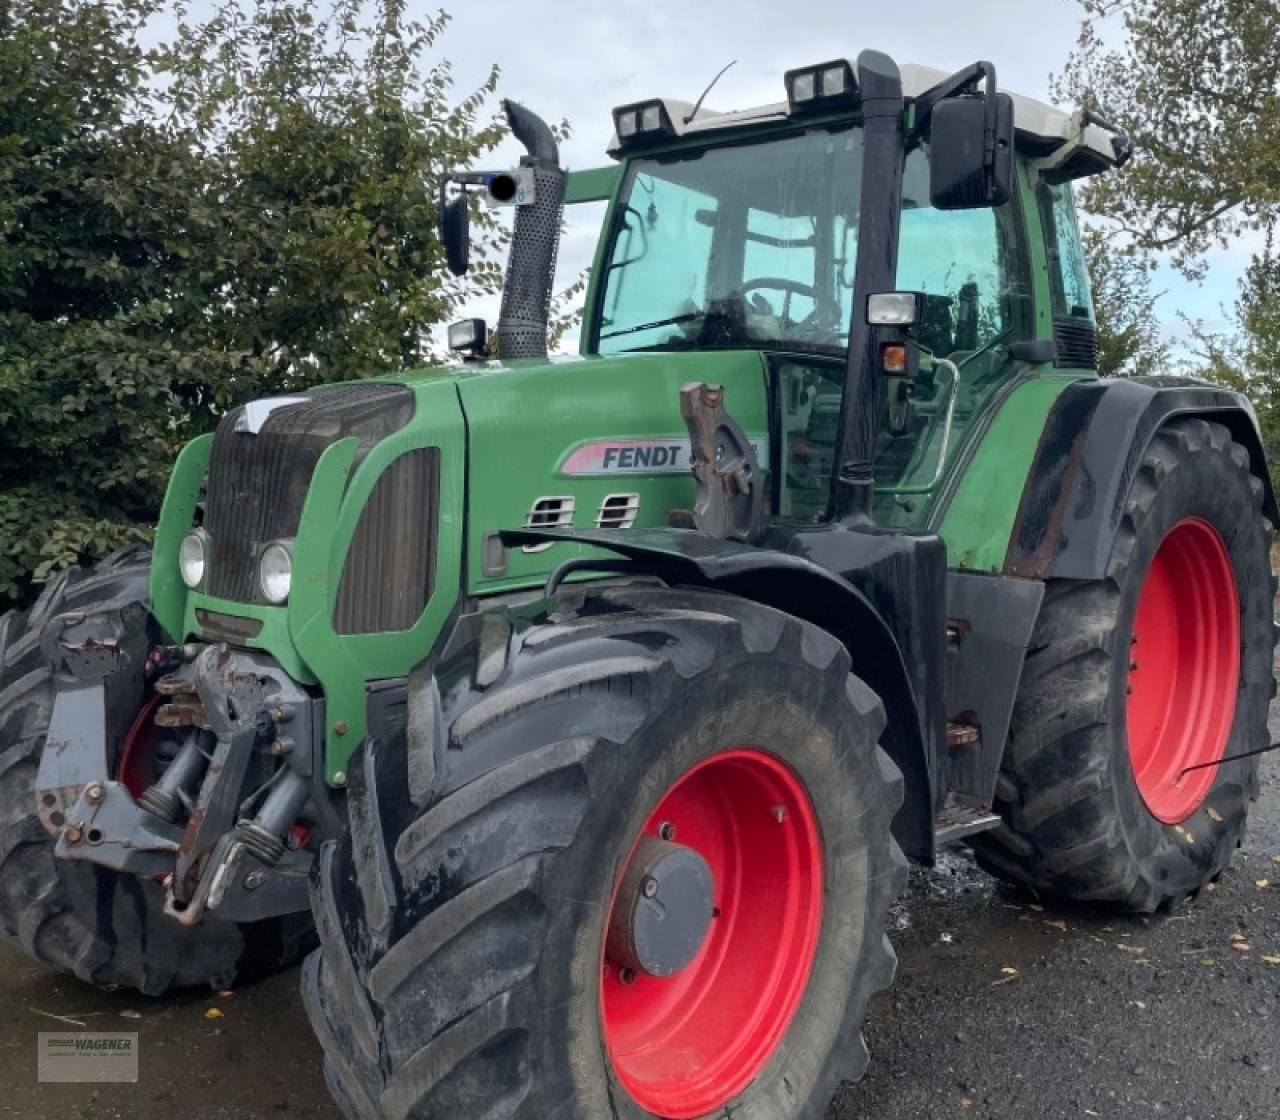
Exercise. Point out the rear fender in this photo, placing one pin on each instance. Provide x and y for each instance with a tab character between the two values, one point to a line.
1093	443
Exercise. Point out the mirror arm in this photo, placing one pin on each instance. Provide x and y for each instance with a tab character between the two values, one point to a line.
966	81
962	81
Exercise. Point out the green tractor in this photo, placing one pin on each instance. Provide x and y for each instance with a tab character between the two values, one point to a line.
585	709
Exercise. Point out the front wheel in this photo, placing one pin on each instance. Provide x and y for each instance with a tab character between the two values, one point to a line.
666	895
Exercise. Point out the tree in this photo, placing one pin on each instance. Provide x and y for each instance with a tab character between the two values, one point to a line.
1196	83
1131	342
1248	359
245	210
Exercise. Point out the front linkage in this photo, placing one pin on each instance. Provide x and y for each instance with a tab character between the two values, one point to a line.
228	815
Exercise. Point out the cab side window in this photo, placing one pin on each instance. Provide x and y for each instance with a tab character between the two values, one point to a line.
969	264
1068	273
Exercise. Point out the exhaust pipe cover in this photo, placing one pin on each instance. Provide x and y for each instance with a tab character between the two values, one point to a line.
526	295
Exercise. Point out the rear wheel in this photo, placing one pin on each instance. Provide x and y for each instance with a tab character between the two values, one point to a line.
663	894
1138	687
104	927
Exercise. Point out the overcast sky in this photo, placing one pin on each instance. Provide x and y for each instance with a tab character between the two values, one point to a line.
576	59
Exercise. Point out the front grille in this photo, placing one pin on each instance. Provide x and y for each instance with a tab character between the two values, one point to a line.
390	567
258	482
1077	343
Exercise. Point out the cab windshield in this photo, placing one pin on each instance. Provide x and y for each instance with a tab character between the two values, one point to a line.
750	246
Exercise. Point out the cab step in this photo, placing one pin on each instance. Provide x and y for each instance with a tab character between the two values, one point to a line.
955	822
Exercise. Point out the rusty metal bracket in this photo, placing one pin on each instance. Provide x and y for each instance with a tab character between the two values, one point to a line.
106	826
91	647
730	501
233	704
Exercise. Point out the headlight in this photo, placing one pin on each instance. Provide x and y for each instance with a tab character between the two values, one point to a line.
275	572
193	555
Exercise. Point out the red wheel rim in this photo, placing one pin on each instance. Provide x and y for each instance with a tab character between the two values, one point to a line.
137	755
687	1045
1184	670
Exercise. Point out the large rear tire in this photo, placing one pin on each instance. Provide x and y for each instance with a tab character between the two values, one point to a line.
1113	788
463	969
104	927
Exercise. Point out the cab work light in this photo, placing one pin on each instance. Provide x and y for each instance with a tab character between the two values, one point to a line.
822	87
645	120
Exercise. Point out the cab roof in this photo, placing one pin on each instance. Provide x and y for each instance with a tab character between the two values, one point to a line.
1041	129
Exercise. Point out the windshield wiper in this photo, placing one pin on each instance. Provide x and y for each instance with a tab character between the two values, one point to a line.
688	317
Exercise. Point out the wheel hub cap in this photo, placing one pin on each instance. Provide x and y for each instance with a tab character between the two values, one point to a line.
663	910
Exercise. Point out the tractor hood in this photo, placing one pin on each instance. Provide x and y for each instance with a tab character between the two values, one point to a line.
594	442
389	497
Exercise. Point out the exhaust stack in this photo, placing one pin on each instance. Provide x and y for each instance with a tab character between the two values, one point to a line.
526	294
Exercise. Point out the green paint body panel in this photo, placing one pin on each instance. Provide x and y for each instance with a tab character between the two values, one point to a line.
979	520
526	421
168	593
595	184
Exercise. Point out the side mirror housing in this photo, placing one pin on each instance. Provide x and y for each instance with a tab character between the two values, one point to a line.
965	173
455	232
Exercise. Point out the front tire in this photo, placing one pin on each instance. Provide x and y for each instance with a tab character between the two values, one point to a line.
1136	687
464	968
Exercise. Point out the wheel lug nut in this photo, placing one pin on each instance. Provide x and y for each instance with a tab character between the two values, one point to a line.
667	831
651	887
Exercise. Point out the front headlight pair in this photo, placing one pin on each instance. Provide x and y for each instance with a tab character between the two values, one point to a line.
275	565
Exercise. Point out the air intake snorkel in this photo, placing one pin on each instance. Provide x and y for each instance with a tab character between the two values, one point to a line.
536	189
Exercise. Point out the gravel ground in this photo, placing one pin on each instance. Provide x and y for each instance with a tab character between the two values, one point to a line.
1170	1017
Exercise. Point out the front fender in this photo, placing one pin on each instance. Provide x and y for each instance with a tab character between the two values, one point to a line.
799	586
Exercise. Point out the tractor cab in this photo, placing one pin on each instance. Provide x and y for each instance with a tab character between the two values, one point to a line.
741	231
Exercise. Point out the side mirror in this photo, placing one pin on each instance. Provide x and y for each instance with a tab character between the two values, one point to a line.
455	232
971	152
